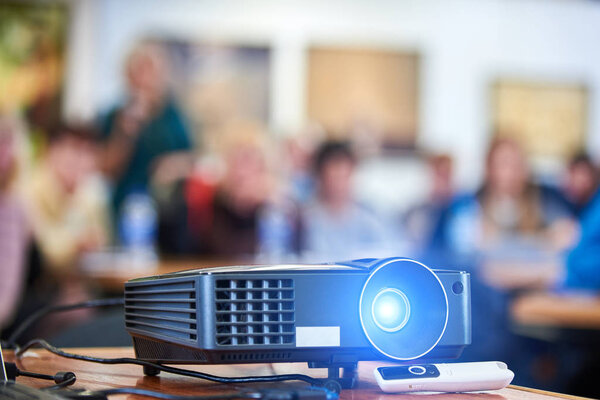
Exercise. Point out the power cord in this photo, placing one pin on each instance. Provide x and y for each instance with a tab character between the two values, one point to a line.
262	394
179	371
265	394
33	318
61	379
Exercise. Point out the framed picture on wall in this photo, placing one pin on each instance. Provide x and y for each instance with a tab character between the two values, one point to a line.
218	83
548	119
373	91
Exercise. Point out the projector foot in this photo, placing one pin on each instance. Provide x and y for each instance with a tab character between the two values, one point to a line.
333	381
151	371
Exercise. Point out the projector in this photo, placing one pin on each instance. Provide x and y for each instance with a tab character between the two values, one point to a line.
329	315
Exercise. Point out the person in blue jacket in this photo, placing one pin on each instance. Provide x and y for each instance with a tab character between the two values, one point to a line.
583	262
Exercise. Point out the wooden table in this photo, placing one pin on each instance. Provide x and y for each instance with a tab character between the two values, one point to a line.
97	376
558	318
565	310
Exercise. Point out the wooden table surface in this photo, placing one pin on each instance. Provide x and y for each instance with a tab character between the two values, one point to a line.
98	376
563	310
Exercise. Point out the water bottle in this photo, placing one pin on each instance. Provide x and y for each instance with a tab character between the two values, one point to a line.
138	229
275	232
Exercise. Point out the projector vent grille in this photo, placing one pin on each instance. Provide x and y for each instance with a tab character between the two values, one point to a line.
162	310
254	312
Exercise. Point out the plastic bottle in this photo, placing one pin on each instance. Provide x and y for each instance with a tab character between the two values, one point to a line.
138	230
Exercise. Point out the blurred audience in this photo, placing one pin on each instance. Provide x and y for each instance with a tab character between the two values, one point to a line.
335	227
580	182
508	209
146	137
14	224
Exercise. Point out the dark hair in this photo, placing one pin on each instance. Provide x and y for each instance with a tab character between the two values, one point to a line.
330	150
581	157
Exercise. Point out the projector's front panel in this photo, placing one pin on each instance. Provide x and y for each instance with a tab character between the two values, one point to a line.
293	310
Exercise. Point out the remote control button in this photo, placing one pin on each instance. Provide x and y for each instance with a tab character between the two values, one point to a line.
417	370
458	287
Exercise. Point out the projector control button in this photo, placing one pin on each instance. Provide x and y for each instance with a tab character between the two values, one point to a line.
417	370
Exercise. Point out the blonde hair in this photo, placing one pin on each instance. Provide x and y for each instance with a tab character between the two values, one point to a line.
147	50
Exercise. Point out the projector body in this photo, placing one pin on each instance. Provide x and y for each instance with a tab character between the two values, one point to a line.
330	314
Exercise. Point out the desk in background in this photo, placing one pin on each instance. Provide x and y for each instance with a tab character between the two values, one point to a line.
97	376
568	317
113	280
565	310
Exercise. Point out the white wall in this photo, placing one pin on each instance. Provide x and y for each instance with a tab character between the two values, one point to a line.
465	45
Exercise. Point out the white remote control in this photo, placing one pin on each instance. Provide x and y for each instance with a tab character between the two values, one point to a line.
458	377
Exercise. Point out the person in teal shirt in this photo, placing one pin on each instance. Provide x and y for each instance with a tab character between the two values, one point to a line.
146	135
583	262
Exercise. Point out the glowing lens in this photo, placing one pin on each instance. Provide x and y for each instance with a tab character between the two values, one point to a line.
391	310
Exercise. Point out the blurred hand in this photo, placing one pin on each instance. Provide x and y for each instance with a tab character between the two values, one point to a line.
89	241
563	234
133	116
172	167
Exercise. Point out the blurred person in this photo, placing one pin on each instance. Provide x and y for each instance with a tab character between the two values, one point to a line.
244	193
299	151
580	182
582	262
14	224
424	222
509	209
227	211
334	226
68	200
147	136
67	206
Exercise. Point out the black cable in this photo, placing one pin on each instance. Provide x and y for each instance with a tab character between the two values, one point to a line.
34	375
61	379
159	395
33	318
260	394
179	371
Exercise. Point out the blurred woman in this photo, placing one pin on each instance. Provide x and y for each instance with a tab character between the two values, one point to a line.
509	209
14	227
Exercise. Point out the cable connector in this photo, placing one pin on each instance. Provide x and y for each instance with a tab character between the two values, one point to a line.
62	376
11	371
61	379
313	393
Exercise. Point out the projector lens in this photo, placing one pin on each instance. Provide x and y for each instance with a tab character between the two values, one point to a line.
398	328
391	310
